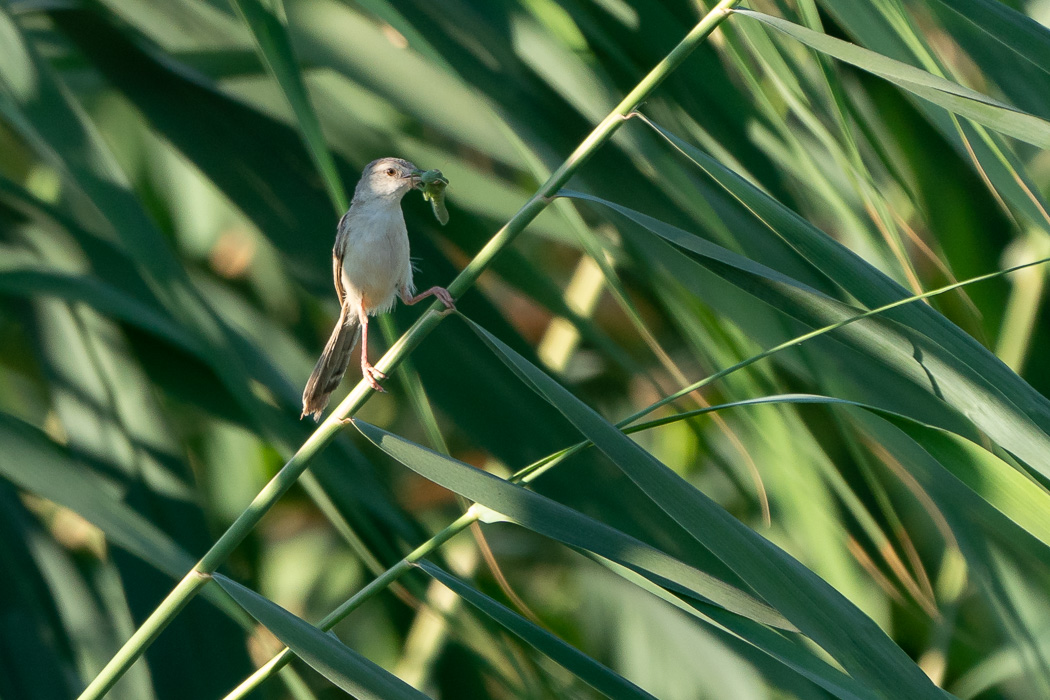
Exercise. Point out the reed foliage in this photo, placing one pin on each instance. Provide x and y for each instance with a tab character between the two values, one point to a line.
745	396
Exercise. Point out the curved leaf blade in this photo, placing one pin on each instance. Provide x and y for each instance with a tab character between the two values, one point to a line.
324	652
780	647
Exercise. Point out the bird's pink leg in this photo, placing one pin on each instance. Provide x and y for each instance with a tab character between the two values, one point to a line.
369	372
439	292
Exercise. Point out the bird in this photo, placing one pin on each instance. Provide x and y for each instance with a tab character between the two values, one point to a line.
371	269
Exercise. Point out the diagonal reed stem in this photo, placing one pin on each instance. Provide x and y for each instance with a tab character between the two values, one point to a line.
191	584
533	471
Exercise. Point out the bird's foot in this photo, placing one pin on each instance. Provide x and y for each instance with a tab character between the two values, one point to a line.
371	374
442	294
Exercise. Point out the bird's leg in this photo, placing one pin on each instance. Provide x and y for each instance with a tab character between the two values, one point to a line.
439	292
369	372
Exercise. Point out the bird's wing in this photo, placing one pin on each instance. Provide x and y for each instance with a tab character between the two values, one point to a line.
342	232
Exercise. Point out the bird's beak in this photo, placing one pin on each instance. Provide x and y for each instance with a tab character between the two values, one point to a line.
414	178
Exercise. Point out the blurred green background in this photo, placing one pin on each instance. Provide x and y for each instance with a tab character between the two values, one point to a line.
165	289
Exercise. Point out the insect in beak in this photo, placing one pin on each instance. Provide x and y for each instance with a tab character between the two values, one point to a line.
414	177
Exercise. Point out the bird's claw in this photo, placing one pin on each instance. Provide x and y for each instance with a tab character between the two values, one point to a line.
442	294
371	374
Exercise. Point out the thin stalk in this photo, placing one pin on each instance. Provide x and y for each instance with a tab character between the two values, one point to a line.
287	476
533	471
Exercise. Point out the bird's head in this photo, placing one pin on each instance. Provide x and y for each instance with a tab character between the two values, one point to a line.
389	178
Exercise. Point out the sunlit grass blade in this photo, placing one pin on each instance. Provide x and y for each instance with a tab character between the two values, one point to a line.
115	303
37	465
843	267
221	136
881	27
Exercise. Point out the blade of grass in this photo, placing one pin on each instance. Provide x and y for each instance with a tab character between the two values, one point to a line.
1024	305
777	646
1010	492
324	652
413	385
388	577
595	250
886	28
41	281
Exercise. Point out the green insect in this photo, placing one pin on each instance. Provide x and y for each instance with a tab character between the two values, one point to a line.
433	185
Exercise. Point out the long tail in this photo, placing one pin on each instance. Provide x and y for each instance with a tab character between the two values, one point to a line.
332	364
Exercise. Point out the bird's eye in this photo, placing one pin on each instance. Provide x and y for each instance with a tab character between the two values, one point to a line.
391	172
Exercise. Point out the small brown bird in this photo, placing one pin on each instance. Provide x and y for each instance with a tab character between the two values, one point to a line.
371	268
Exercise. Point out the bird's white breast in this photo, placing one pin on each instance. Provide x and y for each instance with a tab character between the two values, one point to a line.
376	262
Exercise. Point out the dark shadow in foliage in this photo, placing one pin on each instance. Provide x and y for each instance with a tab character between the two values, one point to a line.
36	659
